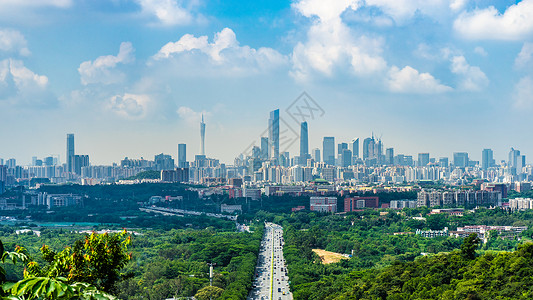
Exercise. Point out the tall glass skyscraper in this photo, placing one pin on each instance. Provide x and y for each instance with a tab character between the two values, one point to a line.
273	134
70	151
487	159
304	143
328	150
355	147
182	156
202	136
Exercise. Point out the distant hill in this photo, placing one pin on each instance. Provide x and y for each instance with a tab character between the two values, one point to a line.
146	175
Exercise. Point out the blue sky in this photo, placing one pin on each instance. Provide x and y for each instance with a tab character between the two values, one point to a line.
132	77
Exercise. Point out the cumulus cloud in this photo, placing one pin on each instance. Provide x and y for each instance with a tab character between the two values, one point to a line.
524	57
523	93
192	117
130	106
409	80
471	77
331	44
515	23
457	5
21	86
12	41
479	50
167	12
224	52
101	70
402	10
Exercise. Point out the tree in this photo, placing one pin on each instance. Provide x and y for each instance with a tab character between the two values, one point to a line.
436	221
97	260
469	246
209	293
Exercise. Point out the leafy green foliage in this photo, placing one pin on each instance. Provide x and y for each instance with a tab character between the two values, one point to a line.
208	293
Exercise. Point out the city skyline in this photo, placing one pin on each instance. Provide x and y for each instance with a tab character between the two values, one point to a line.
430	77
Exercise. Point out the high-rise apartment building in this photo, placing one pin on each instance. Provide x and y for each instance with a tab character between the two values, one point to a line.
273	134
368	148
70	152
328	150
182	156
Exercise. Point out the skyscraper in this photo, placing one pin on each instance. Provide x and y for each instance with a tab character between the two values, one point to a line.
264	148
355	147
273	134
345	158
328	150
460	159
70	152
316	154
389	156
368	148
304	143
487	159
202	136
423	159
182	156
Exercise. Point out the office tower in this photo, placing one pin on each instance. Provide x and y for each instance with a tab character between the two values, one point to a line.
34	160
49	161
202	136
368	148
273	134
1	161
443	162
70	152
78	162
423	159
182	156
355	147
520	163
389	156
264	148
378	151
341	147
345	158
460	159
487	159
316	154
284	159
513	157
328	150
304	143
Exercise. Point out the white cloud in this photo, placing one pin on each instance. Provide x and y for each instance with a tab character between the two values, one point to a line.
523	94
21	86
524	57
101	70
13	41
402	10
515	23
409	80
167	12
457	5
34	3
331	44
224	52
479	50
471	77
192	117
130	106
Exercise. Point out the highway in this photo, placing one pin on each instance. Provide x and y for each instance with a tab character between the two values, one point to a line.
271	280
